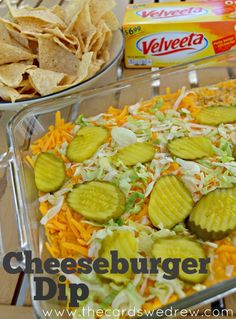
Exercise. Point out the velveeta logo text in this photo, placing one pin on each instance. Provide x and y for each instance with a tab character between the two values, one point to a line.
174	12
172	43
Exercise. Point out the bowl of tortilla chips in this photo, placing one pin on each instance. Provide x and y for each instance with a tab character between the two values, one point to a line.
52	51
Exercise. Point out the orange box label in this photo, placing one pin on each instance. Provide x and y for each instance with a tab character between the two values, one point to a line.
163	34
224	44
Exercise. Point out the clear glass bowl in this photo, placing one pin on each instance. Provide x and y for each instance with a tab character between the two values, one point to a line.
107	73
32	122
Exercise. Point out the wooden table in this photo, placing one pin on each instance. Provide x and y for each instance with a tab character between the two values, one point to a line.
14	291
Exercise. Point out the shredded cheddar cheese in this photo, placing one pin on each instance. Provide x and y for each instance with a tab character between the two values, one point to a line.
69	235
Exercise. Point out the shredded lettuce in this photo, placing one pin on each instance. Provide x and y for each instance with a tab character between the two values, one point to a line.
175	132
180	228
141	171
53	211
131	201
76	129
145	243
106	169
46	198
191	183
157	105
116	222
159	116
189	166
176	284
147	236
98	290
231	167
128	298
149	188
133	109
224	151
63	148
163	291
107	301
123	136
81	120
180	98
124	184
94	248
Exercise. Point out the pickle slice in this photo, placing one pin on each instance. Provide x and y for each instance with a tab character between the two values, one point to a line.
215	115
98	201
86	143
94	133
191	148
50	172
170	202
183	248
124	243
214	216
136	153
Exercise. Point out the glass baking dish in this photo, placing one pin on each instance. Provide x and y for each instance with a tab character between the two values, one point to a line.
32	122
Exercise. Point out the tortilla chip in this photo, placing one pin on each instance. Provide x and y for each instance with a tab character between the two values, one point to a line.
79	53
11	34
34	35
84	29
99	8
44	81
70	38
39	16
59	11
68	80
12	74
65	45
104	52
94	67
55	58
111	21
68	42
83	22
10	53
8	94
72	11
26	87
28	25
14	27
49	32
100	37
19	39
4	34
33	46
83	70
8	24
46	50
11	95
80	41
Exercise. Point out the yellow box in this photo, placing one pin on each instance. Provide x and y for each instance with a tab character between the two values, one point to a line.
164	34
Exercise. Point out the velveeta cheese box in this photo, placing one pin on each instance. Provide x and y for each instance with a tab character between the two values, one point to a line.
164	34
